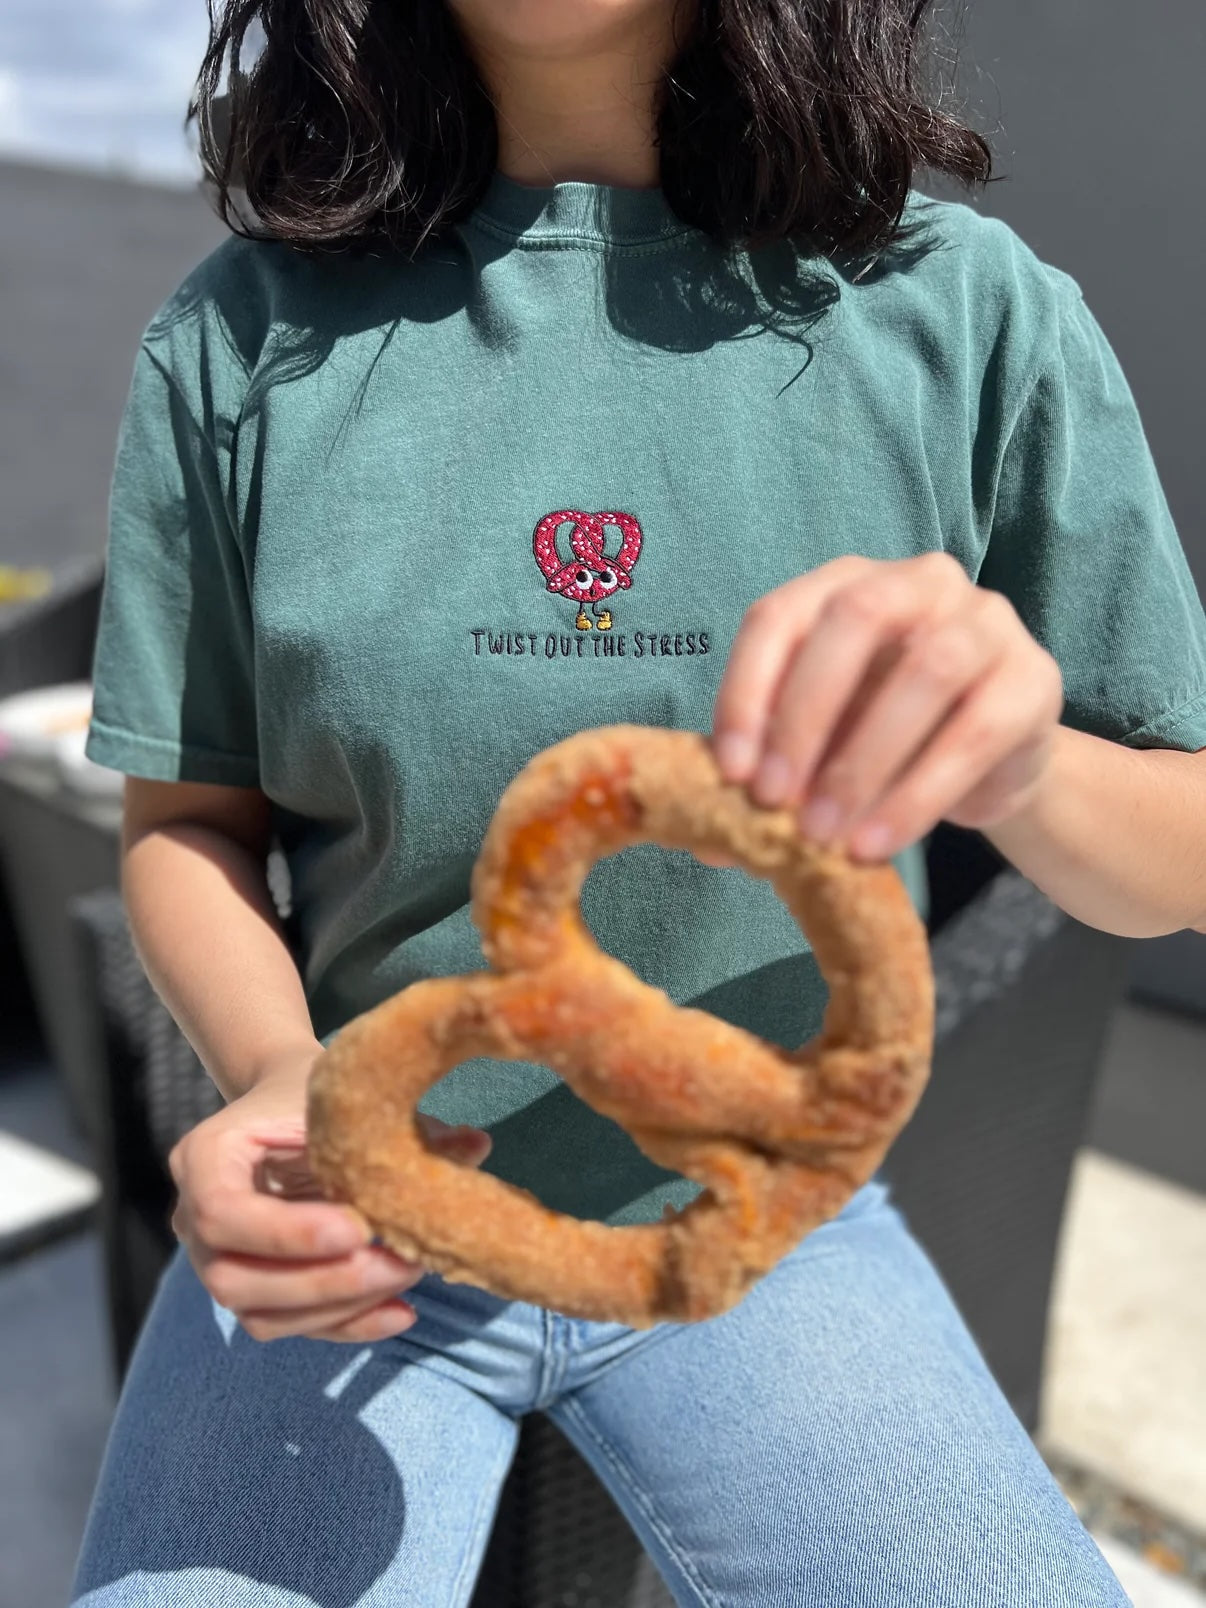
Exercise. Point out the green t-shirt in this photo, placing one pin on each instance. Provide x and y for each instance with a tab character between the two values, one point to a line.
371	520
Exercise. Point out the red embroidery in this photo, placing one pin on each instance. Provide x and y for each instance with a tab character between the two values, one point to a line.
590	577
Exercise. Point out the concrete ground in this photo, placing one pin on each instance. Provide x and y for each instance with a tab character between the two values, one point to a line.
1124	1400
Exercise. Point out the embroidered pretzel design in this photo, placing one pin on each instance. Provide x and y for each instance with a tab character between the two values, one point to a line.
590	576
779	1139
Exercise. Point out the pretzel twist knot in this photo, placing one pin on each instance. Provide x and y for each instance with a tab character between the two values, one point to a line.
780	1140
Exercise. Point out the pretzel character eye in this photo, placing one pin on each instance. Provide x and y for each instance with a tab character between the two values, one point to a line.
779	1139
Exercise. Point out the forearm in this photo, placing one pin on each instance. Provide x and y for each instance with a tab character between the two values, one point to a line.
1115	836
212	944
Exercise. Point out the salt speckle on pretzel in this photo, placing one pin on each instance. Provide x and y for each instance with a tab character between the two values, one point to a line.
779	1139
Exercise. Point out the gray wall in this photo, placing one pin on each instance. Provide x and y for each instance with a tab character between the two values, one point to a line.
84	262
1101	137
1100	133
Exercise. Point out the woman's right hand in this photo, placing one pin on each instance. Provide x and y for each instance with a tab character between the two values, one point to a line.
288	1266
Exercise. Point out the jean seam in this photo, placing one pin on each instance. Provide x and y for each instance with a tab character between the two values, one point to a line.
644	1502
554	1359
481	1516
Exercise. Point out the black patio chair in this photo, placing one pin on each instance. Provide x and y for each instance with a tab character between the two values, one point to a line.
44	640
1024	997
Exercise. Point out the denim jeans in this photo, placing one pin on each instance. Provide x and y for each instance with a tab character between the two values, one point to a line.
835	1440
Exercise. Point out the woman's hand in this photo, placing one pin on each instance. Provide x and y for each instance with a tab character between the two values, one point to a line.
879	697
289	1266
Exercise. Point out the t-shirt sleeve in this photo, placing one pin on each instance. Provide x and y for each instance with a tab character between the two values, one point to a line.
173	675
1083	544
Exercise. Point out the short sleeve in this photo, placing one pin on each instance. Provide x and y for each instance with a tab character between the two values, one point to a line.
174	681
1083	544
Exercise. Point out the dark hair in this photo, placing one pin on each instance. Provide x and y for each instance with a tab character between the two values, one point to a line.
364	123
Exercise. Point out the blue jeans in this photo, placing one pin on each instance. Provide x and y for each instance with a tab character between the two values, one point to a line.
835	1440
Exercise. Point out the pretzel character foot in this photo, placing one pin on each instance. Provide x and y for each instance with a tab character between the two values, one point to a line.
780	1140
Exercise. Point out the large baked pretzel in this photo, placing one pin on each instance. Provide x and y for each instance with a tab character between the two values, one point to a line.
780	1139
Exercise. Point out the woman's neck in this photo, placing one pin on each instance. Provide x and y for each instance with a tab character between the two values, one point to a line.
576	110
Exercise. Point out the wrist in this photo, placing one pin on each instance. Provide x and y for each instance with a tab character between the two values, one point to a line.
283	1065
1013	832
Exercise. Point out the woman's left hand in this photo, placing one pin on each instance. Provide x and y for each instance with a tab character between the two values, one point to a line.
879	697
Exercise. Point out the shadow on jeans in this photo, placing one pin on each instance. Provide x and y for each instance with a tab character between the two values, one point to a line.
231	1451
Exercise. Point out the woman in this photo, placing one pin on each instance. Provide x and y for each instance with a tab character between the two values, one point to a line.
597	361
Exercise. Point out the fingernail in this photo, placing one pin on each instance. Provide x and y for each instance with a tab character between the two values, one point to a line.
821	818
467	1134
735	754
379	1257
773	782
345	1235
467	1144
871	842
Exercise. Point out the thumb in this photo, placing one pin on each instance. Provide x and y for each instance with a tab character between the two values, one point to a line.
460	1142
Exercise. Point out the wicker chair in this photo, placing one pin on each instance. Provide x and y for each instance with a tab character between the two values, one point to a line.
1024	996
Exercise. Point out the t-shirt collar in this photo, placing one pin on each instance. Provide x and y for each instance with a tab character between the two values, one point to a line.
575	210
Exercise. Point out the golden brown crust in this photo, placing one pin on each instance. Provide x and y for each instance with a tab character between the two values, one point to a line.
780	1140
